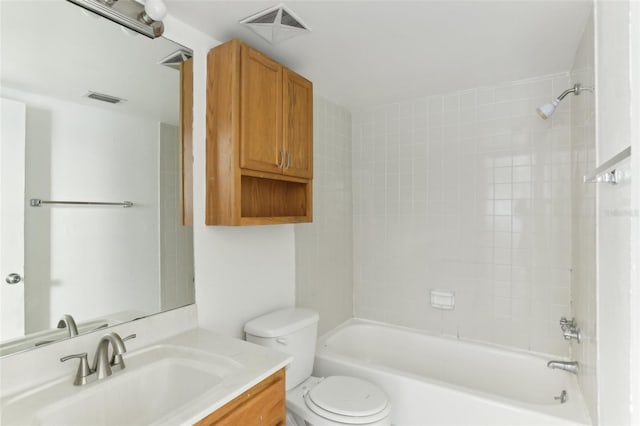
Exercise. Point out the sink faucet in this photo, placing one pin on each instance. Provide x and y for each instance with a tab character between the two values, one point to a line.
570	366
69	323
102	363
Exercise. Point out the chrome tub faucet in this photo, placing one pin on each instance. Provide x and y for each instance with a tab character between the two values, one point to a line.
102	363
570	366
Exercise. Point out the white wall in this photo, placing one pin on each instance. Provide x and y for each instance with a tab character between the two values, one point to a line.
634	41
634	50
106	255
617	278
240	272
583	233
324	255
468	192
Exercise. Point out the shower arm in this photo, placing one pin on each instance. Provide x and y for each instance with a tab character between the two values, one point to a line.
577	88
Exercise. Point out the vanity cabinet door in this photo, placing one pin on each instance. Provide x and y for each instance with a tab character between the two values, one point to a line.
298	124
263	404
260	112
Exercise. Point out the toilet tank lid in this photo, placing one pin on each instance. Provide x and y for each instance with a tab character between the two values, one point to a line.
281	322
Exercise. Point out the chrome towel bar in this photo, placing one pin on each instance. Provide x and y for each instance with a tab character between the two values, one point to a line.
606	172
36	202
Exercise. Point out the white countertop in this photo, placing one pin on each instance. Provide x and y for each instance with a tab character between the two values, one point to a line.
259	363
253	364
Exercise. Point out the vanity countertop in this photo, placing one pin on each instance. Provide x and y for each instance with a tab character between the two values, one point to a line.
177	364
258	362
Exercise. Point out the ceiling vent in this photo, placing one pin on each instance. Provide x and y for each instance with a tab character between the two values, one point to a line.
276	24
104	98
175	59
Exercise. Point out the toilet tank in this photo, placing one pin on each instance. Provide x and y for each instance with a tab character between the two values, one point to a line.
292	331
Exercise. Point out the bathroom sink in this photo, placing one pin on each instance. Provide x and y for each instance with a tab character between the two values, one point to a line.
153	388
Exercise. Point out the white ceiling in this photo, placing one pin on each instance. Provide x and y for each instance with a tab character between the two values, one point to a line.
55	48
367	52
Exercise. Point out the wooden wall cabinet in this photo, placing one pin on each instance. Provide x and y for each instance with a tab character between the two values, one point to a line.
259	139
263	404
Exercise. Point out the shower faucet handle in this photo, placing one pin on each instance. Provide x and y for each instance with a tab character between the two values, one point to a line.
565	323
570	329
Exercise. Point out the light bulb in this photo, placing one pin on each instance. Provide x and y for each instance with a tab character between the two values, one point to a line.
155	9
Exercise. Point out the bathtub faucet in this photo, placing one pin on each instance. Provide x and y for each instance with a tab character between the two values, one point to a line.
570	366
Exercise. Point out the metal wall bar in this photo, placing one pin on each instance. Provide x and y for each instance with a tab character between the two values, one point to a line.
606	172
36	202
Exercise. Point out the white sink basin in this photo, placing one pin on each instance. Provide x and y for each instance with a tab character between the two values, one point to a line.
155	385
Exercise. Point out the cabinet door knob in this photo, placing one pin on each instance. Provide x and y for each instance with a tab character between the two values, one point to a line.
288	160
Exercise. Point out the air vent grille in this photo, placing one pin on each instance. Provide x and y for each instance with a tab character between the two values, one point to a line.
175	59
276	24
104	98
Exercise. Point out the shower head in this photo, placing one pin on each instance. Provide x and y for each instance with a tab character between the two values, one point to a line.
545	111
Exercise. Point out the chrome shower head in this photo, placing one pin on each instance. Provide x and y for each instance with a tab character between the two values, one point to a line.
545	111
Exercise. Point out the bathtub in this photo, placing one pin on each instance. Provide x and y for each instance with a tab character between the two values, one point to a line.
434	380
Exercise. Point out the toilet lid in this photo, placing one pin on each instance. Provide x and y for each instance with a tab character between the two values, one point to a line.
347	397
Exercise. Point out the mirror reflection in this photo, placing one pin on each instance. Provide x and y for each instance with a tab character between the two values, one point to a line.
99	264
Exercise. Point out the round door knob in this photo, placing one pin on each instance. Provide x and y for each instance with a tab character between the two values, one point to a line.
13	278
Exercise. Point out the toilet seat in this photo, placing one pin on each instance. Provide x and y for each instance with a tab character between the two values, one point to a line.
347	400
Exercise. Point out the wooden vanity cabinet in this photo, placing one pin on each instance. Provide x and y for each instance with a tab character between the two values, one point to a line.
259	139
263	404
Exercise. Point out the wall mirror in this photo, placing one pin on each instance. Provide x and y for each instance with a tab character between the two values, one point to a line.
101	264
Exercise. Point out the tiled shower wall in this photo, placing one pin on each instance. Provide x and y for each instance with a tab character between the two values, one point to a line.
324	268
583	276
468	192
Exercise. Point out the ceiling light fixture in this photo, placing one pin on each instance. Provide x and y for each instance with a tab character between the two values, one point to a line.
146	20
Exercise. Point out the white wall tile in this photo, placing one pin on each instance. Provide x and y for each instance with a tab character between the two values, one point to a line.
454	208
323	252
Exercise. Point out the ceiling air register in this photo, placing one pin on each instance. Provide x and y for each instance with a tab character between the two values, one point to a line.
276	24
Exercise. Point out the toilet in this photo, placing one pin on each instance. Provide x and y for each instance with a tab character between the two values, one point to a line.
316	401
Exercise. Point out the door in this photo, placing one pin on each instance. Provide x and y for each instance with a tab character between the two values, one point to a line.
298	125
12	172
260	112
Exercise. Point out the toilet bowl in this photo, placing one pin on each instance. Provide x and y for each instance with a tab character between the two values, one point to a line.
316	401
338	400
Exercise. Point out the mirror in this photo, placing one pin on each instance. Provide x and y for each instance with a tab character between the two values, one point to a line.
102	264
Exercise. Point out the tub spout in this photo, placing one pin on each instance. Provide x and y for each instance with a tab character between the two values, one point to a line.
570	366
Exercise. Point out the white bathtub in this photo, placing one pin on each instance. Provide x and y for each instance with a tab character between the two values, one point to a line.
444	381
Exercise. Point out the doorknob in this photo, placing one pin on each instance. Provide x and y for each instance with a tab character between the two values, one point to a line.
13	278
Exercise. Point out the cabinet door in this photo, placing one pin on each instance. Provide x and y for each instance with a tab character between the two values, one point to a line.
263	405
260	112
298	124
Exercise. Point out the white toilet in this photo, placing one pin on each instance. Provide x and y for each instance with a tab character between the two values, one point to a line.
316	401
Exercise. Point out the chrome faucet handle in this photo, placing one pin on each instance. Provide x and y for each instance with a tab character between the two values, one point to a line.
116	358
84	373
572	333
565	323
